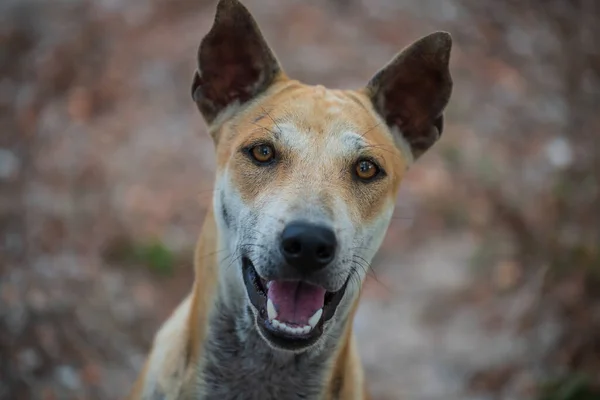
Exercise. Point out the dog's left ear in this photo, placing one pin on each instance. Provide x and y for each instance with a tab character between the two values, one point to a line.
411	92
235	62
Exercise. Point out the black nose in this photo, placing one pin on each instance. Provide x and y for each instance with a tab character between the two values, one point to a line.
308	247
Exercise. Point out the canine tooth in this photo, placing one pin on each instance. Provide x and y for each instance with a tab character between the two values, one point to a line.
315	318
306	329
271	312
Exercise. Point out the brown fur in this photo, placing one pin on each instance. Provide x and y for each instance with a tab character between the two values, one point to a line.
184	346
309	108
245	98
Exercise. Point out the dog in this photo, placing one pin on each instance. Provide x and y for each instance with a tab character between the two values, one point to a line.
306	183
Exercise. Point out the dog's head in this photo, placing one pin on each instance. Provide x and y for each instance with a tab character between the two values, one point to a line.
307	176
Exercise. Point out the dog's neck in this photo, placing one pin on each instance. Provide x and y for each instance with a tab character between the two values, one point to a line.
235	353
231	349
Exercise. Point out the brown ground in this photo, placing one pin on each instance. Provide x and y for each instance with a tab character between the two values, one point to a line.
484	287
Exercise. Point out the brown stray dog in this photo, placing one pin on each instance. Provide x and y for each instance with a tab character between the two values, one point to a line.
306	184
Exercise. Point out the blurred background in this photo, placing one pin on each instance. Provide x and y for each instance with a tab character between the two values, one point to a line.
488	283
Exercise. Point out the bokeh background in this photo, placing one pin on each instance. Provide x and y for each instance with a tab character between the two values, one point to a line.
487	286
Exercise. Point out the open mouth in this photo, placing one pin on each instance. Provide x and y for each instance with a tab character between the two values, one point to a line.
290	314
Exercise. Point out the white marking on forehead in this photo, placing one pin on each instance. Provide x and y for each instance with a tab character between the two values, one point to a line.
353	138
351	142
320	89
343	143
293	137
335	97
334	109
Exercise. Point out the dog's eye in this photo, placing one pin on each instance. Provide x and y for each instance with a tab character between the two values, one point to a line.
366	170
262	153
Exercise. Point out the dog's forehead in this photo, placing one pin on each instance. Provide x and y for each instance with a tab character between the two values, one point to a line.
337	141
303	115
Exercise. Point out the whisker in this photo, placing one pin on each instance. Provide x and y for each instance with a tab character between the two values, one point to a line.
253	245
361	248
373	273
265	128
271	118
384	148
370	129
212	253
233	261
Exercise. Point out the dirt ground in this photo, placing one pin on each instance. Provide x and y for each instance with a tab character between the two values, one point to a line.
106	173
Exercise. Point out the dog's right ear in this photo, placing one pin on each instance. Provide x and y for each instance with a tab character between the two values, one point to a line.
235	63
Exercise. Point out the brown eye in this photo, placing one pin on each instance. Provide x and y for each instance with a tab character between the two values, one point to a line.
263	153
366	170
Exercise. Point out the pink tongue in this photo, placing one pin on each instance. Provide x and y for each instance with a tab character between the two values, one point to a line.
295	302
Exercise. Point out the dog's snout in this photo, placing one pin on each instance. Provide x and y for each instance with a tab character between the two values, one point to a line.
308	247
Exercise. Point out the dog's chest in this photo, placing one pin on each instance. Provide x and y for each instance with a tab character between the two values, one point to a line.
241	366
244	381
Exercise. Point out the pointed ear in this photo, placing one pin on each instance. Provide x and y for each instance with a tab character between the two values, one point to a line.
411	92
234	61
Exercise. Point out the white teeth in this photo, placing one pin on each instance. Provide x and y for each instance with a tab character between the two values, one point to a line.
293	330
271	312
315	318
269	284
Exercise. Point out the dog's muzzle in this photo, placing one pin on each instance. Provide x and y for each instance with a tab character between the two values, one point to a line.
292	308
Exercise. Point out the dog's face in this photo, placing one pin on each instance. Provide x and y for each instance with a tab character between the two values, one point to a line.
307	176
